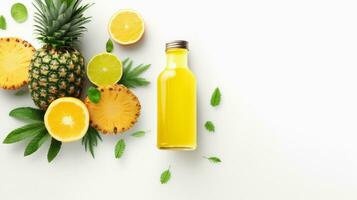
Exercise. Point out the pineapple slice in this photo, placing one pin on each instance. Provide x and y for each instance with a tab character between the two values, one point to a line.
15	58
117	110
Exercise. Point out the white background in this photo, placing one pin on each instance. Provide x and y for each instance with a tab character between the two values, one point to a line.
286	127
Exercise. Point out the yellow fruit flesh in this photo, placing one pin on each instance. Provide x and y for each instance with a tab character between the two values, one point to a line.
126	27
117	110
104	69
15	58
67	119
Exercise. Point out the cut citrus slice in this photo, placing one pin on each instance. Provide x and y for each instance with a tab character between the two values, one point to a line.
117	110
15	58
104	69
126	27
67	119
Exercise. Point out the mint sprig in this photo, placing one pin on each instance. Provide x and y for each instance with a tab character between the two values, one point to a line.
90	140
93	94
138	134
216	97
109	46
35	131
131	77
119	148
165	176
210	126
213	159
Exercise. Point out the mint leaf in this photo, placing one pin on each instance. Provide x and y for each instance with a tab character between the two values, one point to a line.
20	92
138	134
216	97
109	46
93	94
119	148
165	176
213	159
36	142
19	12
2	23
24	132
210	126
27	113
55	147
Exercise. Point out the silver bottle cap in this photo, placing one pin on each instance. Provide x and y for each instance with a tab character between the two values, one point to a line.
182	44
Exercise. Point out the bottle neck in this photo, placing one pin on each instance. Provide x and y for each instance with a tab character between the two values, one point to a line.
176	58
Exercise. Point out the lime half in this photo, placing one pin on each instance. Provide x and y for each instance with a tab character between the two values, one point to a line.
104	69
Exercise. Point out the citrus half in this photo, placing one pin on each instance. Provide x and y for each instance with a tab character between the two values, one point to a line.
67	119
126	27
104	69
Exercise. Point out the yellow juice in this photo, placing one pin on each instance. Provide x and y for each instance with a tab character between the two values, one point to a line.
176	103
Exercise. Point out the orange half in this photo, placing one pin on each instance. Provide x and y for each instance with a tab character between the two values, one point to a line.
126	27
67	119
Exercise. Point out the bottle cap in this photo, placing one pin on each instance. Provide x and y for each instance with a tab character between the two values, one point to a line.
182	44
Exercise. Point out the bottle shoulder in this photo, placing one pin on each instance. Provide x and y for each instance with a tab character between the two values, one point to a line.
176	72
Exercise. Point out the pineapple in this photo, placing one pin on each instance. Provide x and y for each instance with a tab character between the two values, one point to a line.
15	58
117	110
57	69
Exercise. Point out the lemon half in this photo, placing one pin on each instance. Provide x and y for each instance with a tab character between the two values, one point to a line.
126	27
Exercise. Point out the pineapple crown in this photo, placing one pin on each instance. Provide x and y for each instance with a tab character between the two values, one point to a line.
60	23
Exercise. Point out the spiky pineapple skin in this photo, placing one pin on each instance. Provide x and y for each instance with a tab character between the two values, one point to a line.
55	73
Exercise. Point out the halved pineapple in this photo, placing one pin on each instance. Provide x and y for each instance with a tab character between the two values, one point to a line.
117	110
15	58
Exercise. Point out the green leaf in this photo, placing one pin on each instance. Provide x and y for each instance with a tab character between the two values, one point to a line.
24	132
20	92
19	12
119	148
93	94
131	76
165	176
36	142
216	97
90	140
2	23
213	159
27	113
109	46
138	134
210	126
55	147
